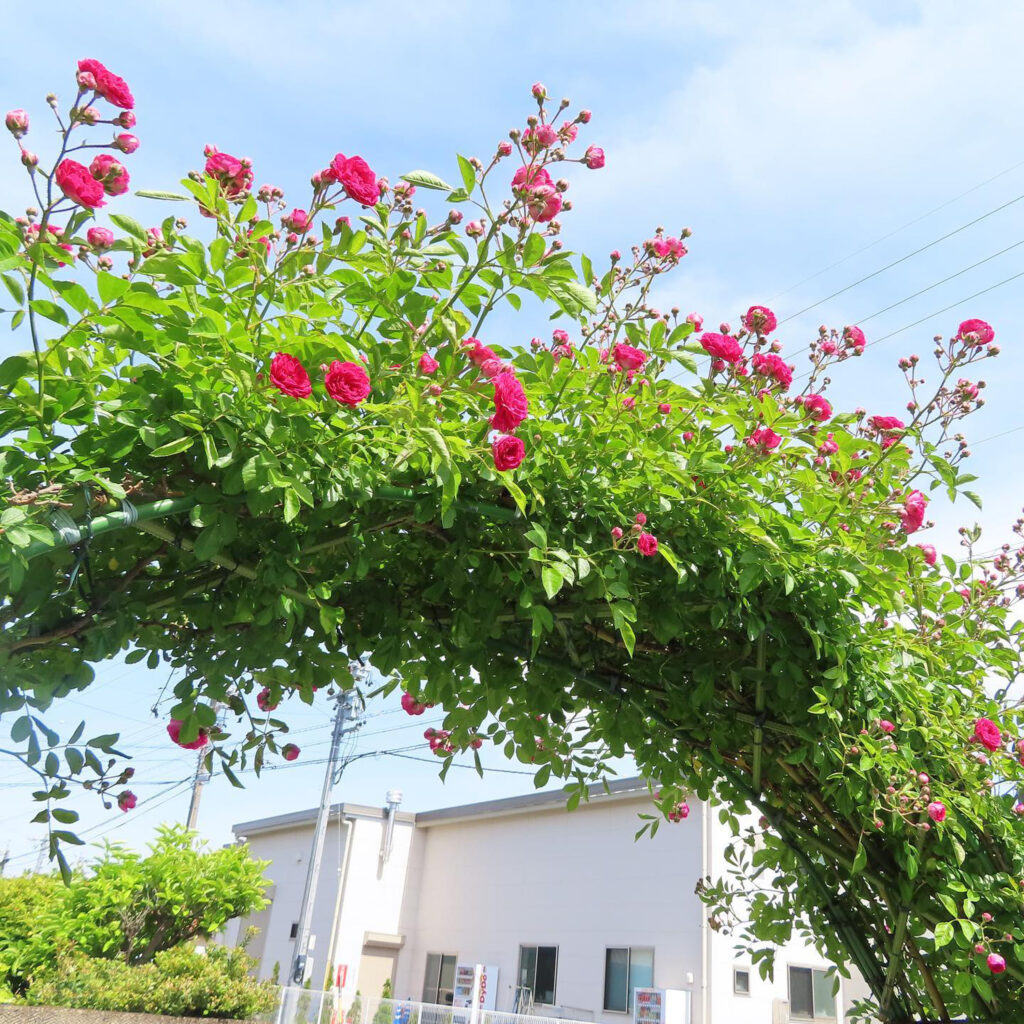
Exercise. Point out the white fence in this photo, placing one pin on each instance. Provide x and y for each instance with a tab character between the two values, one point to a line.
405	1011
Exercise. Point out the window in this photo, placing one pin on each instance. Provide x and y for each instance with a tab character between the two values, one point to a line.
741	981
439	978
626	968
294	931
537	967
810	994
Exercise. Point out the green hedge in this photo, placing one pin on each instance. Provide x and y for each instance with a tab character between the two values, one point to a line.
178	981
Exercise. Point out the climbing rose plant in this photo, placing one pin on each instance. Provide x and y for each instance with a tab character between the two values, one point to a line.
312	432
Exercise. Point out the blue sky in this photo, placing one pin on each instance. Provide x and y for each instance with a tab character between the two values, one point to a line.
788	136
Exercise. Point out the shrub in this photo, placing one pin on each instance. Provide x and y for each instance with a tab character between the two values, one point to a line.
178	981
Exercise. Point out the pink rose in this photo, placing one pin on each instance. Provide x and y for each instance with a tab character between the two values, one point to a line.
912	515
647	544
987	733
667	245
428	364
818	407
508	452
616	533
559	336
886	726
110	86
289	376
937	811
541	137
759	320
347	383
996	964
855	336
263	701
355	177
628	358
664	408
16	122
297	220
75	181
929	552
100	238
126	143
411	706
764	438
234	175
510	404
534	184
975	332
289	751
174	731
126	800
594	157
886	423
696	319
111	173
771	365
721	346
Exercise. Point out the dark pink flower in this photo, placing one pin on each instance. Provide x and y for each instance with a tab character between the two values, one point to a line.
721	346
534	184
696	319
628	358
771	365
510	404
111	87
886	726
126	800
886	423
996	964
428	364
355	177
478	352
540	137
759	320
263	701
298	221
975	332
347	383
75	181
929	552
234	175
937	811
818	407
987	733
912	515
126	143
411	706
855	336
647	544
111	173
616	533
667	246
594	157
764	438
174	731
508	452
664	408
289	376
289	751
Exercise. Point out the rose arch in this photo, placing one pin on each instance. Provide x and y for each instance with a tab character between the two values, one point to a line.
301	434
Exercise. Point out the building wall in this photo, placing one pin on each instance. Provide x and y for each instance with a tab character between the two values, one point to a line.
575	880
757	1007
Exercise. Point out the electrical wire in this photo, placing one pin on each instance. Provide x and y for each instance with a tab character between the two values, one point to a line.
902	259
903	227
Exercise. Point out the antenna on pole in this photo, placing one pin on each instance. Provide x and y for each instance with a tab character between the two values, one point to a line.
345	711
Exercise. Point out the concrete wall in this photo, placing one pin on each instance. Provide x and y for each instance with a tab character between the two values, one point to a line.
12	1014
574	880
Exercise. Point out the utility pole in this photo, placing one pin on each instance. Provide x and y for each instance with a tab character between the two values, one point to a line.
200	779
344	711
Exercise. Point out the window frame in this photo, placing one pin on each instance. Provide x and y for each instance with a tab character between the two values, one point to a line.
537	947
629	965
743	969
815	1015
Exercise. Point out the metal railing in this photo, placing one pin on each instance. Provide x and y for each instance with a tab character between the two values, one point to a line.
407	1011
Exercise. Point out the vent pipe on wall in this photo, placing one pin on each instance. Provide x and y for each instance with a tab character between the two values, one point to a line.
394	801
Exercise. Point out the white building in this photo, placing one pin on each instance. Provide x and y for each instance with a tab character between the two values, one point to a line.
565	903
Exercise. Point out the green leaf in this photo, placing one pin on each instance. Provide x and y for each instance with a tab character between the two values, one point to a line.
173	197
584	296
21	728
552	580
860	859
13	368
534	250
65	815
14	287
943	934
424	179
110	287
44	307
130	225
180	444
962	983
468	174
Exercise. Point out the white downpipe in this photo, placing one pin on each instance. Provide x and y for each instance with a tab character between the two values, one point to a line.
705	928
349	824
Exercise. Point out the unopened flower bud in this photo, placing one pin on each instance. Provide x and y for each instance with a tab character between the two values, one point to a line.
29	159
16	122
126	143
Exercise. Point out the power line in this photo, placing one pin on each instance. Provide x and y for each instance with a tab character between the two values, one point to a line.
903	259
865	319
910	223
